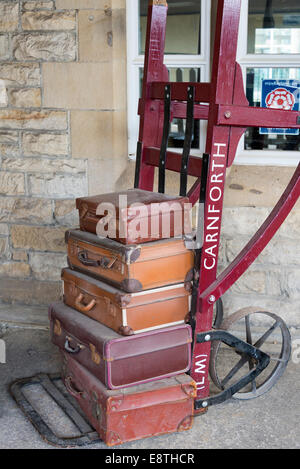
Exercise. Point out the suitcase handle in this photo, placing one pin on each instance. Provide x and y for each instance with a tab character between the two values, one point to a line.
81	307
69	349
70	388
104	262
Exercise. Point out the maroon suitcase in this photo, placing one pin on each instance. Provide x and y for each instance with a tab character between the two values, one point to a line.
156	408
135	216
119	361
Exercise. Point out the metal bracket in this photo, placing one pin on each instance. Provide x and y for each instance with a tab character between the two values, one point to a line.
87	434
261	358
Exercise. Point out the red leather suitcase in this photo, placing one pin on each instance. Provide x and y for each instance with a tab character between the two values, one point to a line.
156	408
126	313
119	361
131	268
135	216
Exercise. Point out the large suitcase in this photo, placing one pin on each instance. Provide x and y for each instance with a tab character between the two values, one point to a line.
156	408
126	313
135	216
131	268
119	361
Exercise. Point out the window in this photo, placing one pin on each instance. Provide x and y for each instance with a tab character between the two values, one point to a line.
268	49
186	57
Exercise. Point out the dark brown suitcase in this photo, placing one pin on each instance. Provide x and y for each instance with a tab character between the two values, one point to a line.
126	313
156	408
131	268
119	361
154	216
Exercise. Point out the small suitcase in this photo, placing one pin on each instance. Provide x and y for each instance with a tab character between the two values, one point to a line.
135	216
119	416
131	268
119	361
126	313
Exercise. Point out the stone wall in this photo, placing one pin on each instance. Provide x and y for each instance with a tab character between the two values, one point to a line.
62	130
63	135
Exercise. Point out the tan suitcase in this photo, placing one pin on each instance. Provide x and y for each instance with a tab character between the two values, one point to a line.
126	313
131	268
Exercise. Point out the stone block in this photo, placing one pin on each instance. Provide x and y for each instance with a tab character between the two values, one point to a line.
14	270
293	284
35	120
9	137
95	33
47	266
243	220
9	16
103	175
3	94
30	6
48	20
4	230
50	144
76	86
8	151
4	249
65	213
4	47
20	256
38	238
45	165
20	74
11	183
82	4
252	282
278	251
26	210
250	185
29	291
47	46
57	185
92	134
25	97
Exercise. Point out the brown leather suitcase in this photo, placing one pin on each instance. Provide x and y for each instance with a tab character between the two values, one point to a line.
119	361
126	313
119	416
154	216
131	268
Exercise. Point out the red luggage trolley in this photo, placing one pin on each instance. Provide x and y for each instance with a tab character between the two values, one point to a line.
223	104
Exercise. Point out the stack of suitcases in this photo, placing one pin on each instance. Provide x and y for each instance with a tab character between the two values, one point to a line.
121	327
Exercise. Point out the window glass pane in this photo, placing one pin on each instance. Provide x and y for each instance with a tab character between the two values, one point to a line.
183	27
274	27
255	139
177	130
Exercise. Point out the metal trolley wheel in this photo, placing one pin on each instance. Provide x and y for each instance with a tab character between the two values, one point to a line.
227	365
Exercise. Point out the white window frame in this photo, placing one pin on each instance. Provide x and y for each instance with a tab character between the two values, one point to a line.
135	61
262	157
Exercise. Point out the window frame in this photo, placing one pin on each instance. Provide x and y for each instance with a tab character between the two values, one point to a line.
202	61
262	157
136	60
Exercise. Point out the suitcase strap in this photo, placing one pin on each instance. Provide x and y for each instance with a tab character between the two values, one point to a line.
189	128
164	142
